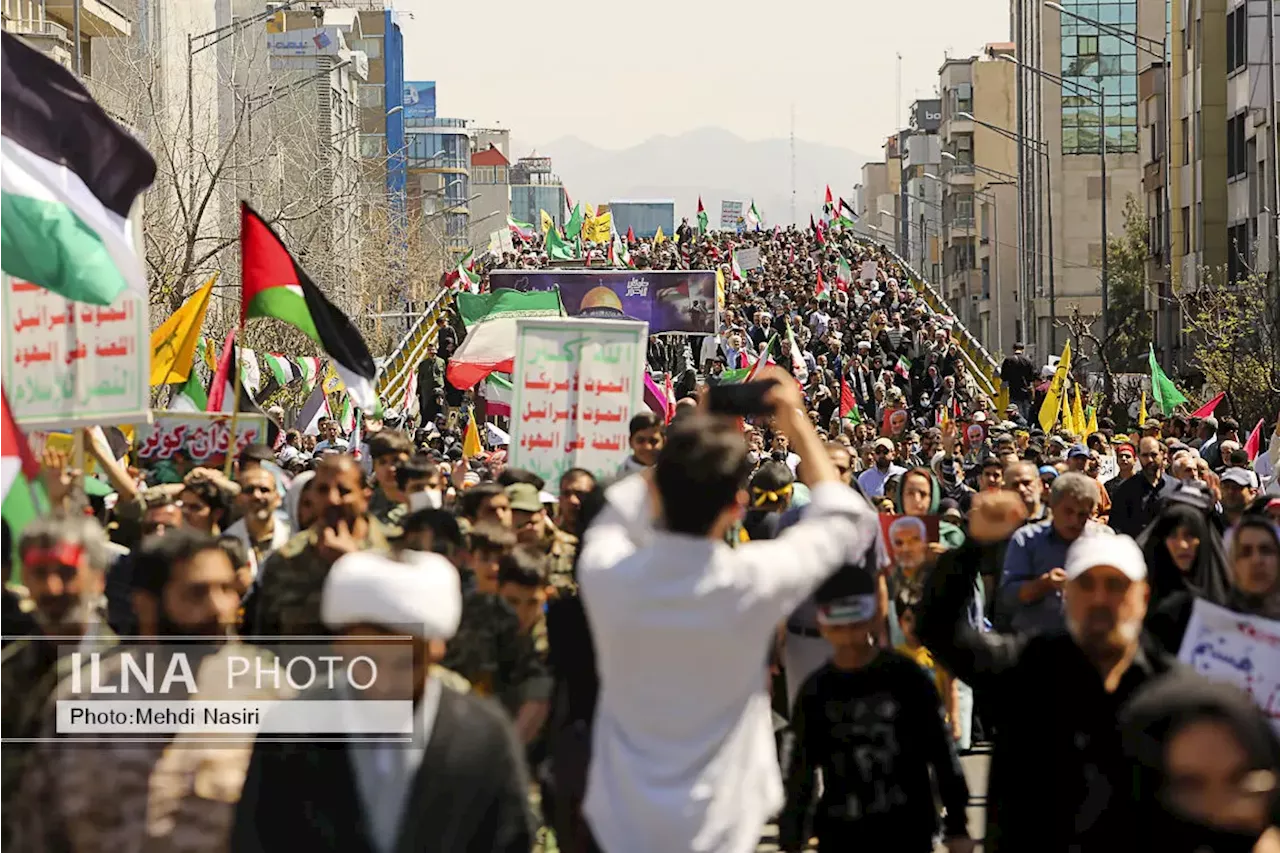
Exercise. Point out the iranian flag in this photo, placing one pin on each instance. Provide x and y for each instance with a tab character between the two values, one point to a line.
497	392
19	475
523	230
490	320
798	370
759	363
903	367
283	369
702	217
844	274
821	290
274	285
68	178
734	267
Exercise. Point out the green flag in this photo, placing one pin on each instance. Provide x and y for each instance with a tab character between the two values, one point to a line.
1163	391
573	228
557	248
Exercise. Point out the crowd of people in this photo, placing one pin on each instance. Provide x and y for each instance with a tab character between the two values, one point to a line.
806	616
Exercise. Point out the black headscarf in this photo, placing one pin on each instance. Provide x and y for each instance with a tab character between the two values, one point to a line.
1208	578
1148	725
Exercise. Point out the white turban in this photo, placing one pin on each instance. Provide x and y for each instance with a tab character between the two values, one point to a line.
419	594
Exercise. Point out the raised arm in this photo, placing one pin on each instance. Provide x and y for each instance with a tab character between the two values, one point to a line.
976	658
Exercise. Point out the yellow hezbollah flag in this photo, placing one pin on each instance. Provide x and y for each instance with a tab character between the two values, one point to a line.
547	222
1053	397
1068	423
601	228
659	237
1077	415
719	286
173	343
1002	398
471	439
1092	426
588	210
1142	409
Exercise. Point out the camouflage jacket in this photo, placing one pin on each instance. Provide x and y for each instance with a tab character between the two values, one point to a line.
172	794
288	596
491	653
560	556
30	670
382	507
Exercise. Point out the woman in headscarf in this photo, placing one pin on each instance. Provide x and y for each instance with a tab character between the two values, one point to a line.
1184	551
1205	764
1253	574
770	489
300	516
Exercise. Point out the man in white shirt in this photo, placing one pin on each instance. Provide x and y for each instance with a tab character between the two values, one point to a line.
873	479
683	755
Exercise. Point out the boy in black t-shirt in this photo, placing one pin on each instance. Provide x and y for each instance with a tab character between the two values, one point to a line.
872	721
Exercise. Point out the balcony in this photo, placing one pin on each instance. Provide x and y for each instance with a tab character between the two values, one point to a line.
48	37
97	17
437	124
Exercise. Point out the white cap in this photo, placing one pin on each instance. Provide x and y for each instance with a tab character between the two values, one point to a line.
1095	549
419	594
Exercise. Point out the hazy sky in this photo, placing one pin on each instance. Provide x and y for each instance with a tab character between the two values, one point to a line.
615	74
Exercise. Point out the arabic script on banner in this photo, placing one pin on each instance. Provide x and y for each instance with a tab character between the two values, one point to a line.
204	435
576	385
1242	650
71	363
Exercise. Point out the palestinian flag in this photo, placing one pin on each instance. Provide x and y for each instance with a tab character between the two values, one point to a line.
818	235
844	274
490	320
848	405
828	204
222	389
821	290
798	369
284	370
275	286
631	236
702	217
309	369
846	214
498	393
189	396
20	484
903	367
315	408
68	178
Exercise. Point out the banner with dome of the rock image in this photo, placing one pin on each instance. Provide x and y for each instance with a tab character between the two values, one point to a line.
681	301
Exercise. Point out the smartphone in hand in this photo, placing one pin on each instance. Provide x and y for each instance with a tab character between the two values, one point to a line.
744	398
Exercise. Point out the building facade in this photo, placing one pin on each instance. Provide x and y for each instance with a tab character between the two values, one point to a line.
55	29
490	184
439	151
535	188
922	197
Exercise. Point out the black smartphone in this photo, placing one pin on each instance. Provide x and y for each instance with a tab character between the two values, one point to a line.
744	398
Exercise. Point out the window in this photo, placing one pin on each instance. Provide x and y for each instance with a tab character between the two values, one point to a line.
371	95
1186	230
962	95
1237	162
1236	56
1094	57
1186	142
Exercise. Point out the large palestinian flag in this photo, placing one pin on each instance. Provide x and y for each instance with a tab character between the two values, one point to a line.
68	178
276	286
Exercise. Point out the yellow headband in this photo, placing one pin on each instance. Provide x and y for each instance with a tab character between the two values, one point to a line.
764	496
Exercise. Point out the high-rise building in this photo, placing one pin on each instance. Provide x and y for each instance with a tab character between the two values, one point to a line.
922	197
55	28
978	215
440	177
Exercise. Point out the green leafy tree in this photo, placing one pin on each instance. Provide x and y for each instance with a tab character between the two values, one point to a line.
1129	324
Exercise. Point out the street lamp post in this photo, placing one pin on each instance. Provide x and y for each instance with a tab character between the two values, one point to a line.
1042	150
1099	98
1136	40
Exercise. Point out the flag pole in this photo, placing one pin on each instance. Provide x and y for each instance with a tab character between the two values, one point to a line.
235	406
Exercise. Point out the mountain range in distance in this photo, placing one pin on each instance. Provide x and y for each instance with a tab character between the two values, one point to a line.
708	162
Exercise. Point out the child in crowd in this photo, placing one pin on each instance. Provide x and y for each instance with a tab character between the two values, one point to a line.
912	648
522	584
872	722
486	545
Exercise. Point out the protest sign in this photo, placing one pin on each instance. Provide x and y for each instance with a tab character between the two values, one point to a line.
577	384
500	241
69	364
868	272
668	301
204	435
907	538
731	216
1237	649
749	259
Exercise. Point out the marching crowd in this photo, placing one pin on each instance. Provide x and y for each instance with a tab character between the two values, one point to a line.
806	616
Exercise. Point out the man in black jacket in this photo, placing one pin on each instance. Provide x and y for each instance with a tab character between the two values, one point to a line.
1019	376
1057	776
